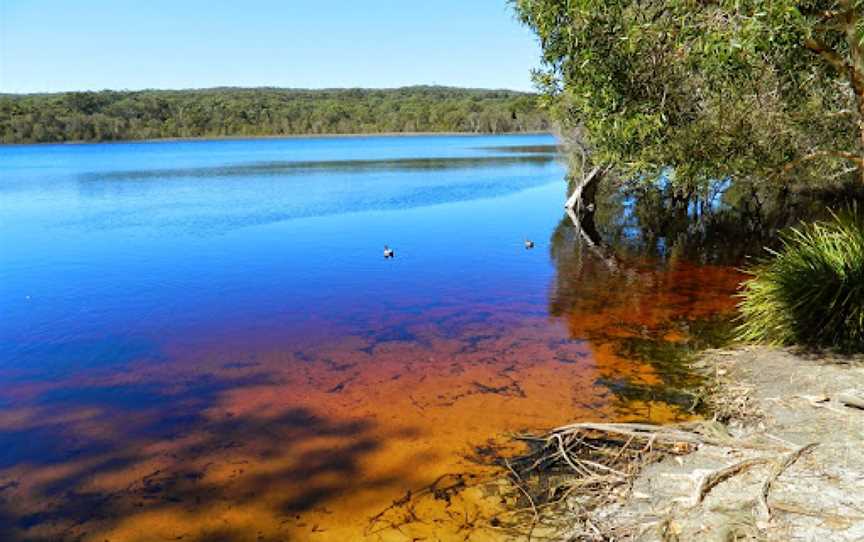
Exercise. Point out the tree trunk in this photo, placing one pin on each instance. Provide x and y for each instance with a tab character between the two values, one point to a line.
860	164
583	198
852	67
856	71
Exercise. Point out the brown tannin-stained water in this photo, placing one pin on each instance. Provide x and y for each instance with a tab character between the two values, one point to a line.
202	341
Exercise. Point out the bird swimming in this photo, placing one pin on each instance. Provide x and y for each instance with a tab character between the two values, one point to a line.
529	244
388	252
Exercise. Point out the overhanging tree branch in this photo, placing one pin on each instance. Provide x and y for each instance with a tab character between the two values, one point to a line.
829	55
843	155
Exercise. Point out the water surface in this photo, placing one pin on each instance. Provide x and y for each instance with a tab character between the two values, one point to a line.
202	340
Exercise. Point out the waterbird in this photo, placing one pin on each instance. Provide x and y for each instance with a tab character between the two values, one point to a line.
388	252
529	244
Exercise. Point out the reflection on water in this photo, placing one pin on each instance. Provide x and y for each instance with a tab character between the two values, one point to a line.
529	149
273	377
304	167
641	308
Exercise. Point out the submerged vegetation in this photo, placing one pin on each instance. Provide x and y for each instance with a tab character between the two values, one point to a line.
812	290
225	112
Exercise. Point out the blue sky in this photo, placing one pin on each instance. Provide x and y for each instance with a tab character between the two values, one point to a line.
56	45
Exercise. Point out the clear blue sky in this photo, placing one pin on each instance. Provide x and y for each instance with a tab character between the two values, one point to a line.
56	45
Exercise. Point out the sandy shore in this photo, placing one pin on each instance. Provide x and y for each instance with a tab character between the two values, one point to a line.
793	468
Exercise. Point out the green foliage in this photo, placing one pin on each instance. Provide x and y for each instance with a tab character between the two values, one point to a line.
740	89
812	291
153	114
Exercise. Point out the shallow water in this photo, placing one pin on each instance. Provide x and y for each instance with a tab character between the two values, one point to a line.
202	340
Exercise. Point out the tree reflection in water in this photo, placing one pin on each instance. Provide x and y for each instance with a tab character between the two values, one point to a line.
647	279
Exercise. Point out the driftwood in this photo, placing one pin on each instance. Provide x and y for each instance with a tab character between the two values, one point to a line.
823	401
851	401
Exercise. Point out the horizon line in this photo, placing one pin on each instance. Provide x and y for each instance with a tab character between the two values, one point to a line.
266	87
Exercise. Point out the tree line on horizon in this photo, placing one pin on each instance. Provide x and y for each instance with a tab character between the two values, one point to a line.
224	112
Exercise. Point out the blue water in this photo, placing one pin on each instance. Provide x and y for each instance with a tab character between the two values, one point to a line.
109	252
197	334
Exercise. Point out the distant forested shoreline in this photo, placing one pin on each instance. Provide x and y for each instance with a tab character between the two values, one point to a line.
237	112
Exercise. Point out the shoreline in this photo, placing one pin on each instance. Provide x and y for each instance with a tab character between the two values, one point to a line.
781	458
353	135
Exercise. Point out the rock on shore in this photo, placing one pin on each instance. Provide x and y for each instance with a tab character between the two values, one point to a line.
802	446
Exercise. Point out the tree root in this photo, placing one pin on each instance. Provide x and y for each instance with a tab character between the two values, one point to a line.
779	469
594	464
715	478
571	472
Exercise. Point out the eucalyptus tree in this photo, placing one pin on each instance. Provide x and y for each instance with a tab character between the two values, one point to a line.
762	92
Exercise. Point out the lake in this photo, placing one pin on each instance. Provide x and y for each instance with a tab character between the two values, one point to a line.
203	341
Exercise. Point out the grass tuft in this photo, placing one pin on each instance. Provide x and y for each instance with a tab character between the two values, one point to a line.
811	291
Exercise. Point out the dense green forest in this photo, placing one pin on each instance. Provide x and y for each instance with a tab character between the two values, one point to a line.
730	112
151	114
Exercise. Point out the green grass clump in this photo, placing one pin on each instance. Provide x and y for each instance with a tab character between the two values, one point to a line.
811	291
